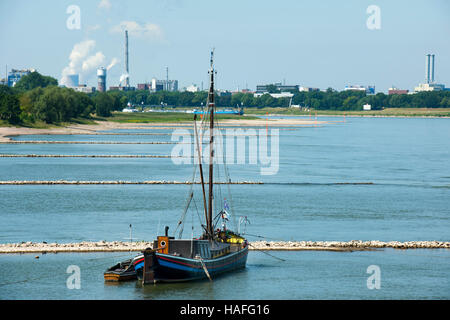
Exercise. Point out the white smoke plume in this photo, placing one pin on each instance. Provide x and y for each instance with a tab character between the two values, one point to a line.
76	57
123	77
81	62
114	61
92	62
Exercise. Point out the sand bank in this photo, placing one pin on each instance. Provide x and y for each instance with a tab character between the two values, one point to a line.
6	132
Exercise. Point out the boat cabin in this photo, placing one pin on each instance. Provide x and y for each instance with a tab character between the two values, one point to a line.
191	248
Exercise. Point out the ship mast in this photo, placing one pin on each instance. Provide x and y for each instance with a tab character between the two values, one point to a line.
211	107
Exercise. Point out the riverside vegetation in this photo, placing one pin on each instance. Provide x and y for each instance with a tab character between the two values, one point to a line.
36	100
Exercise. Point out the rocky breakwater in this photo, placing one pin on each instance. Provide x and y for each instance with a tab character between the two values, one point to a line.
122	246
347	245
100	246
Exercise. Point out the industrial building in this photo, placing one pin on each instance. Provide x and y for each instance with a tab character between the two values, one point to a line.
163	85
274	95
121	88
101	79
308	89
279	86
72	80
15	75
394	90
84	88
367	90
192	88
430	84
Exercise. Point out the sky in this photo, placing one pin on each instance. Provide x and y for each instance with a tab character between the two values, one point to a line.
309	43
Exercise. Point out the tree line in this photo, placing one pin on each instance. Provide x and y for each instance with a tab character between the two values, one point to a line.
37	97
319	100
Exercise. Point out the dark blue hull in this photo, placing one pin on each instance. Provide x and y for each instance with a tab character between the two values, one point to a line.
177	269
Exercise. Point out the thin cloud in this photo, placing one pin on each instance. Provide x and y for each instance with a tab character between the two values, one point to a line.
147	30
104	4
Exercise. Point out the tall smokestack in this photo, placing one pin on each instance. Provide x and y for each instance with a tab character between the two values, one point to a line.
167	79
427	74
432	68
127	71
101	75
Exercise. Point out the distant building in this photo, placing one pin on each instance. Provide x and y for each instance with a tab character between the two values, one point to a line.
15	75
429	87
84	88
192	88
163	85
279	86
430	84
144	86
368	89
308	89
71	80
121	88
397	91
101	79
367	107
275	95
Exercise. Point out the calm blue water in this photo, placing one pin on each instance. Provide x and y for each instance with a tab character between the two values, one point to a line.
406	160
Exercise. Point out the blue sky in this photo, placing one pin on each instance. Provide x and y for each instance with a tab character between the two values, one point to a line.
310	43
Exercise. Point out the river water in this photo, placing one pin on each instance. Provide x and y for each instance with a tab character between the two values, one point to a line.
363	179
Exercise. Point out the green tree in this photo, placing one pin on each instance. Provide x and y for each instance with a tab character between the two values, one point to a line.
445	102
103	104
9	108
34	80
350	103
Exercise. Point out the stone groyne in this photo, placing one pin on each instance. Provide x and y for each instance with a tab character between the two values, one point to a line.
122	246
67	182
85	142
86	156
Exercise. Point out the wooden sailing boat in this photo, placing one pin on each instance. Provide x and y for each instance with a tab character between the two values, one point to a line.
216	251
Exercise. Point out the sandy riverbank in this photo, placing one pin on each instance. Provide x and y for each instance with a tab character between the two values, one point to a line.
6	132
121	246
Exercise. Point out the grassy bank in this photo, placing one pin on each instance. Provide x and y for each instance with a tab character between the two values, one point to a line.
43	125
388	112
124	117
154	117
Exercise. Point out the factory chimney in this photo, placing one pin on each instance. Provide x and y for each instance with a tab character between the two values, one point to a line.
427	70
167	79
432	68
127	71
101	75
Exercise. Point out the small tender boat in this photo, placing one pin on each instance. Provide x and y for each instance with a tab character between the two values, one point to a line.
123	271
